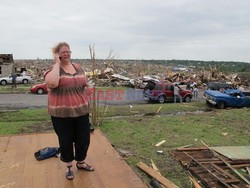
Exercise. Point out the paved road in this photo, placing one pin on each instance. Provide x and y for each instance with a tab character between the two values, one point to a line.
20	101
27	100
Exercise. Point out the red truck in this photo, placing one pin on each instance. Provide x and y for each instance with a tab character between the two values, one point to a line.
164	91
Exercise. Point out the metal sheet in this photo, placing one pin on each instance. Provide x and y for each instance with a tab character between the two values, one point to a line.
234	152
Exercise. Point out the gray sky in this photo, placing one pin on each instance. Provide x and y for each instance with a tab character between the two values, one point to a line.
133	29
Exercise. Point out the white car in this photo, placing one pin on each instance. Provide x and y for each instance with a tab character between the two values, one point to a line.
20	79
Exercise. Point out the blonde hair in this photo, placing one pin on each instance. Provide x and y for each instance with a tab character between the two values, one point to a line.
57	47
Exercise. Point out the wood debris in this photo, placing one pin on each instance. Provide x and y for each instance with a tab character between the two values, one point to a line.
156	175
132	73
160	143
212	170
194	182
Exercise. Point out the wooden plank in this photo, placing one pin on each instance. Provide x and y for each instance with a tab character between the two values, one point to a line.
158	110
154	166
236	172
220	170
210	172
208	160
240	166
248	170
233	152
160	143
233	164
191	149
194	182
155	175
19	168
235	186
185	146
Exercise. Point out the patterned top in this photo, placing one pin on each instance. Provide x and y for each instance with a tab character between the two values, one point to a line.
69	99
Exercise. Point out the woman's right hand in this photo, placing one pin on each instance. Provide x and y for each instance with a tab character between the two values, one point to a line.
57	58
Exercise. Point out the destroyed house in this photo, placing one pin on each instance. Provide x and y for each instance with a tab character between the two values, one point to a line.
6	64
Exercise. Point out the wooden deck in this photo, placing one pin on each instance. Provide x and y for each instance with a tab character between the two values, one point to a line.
19	168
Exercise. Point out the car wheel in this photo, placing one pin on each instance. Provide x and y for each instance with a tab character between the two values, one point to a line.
25	81
221	105
3	82
187	98
161	99
40	91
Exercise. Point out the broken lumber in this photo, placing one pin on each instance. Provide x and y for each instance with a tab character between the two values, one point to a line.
248	170
209	171
158	109
155	167
186	146
155	175
225	173
194	182
154	181
190	149
225	162
160	143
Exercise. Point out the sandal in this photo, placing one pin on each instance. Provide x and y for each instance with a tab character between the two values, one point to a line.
84	166
69	174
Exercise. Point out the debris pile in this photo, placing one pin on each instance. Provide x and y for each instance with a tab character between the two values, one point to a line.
214	169
137	74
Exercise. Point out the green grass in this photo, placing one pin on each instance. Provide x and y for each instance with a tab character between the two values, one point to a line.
24	115
150	109
139	128
24	121
140	134
21	88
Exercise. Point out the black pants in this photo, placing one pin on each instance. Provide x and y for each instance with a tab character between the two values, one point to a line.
74	137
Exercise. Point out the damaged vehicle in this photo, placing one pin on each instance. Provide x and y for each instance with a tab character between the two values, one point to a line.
228	98
147	79
164	92
219	86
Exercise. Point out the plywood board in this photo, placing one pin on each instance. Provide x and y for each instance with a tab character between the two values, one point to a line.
234	152
19	168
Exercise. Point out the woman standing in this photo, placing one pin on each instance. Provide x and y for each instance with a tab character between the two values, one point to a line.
69	108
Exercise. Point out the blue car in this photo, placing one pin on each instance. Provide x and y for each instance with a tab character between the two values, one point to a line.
227	98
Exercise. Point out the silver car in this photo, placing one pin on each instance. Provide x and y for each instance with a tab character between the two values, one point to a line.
20	79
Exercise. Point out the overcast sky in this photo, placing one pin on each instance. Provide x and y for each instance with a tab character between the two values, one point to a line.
133	29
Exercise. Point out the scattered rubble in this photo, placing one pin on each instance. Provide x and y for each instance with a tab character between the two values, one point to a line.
136	74
213	169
